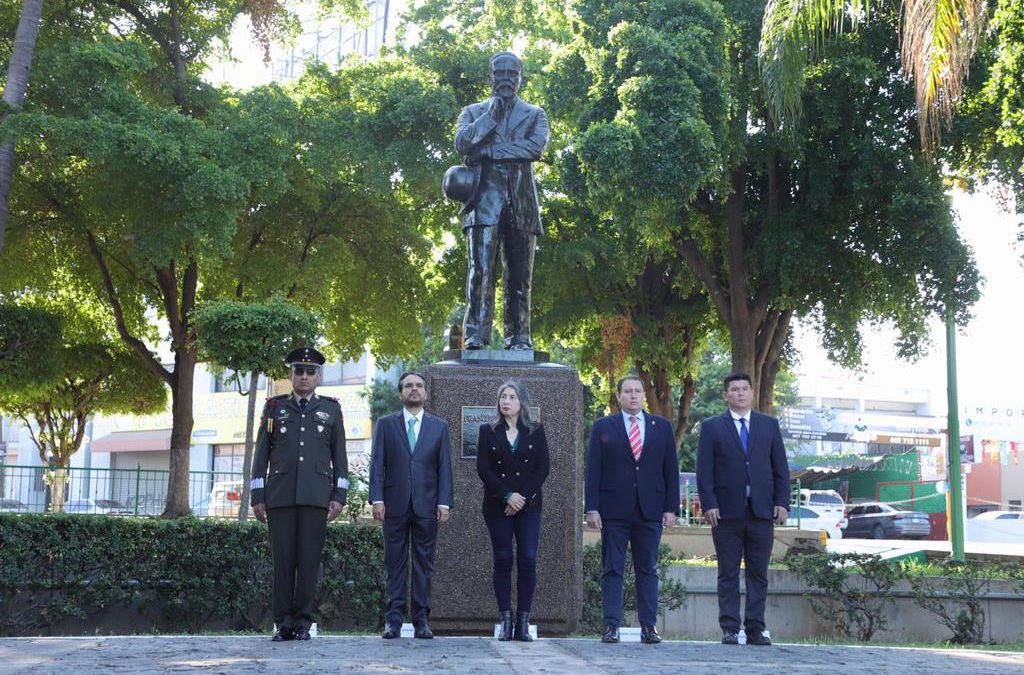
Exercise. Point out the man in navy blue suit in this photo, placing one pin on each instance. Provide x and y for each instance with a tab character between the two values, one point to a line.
632	493
743	481
411	490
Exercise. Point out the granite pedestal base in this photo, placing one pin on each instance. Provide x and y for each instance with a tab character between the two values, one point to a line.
465	395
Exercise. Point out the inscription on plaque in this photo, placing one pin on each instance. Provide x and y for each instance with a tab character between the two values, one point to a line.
475	415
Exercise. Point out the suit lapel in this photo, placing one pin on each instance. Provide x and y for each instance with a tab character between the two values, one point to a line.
733	434
619	422
516	119
402	431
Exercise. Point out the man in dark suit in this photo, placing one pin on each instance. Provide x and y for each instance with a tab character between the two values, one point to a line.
411	489
299	484
501	138
632	493
743	481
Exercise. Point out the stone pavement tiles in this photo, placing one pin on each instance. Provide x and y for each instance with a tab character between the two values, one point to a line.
474	656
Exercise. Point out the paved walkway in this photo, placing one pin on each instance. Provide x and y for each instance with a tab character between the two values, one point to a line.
474	656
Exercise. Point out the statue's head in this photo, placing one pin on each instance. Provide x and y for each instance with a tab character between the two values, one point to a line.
506	74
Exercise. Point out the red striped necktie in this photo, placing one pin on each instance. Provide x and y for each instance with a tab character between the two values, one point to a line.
634	438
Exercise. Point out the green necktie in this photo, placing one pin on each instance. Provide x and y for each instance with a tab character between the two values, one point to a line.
412	434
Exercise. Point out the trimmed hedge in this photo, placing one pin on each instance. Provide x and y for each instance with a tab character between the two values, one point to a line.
74	573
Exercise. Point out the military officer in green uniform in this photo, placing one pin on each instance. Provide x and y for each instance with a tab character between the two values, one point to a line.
299	484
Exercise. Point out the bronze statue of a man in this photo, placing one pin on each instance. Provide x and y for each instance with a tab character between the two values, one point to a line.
499	139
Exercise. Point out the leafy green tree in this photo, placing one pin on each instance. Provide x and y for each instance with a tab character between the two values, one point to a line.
937	40
987	139
251	339
30	349
320	194
96	374
19	68
842	220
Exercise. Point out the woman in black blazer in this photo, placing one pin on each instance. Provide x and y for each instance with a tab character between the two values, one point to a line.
512	460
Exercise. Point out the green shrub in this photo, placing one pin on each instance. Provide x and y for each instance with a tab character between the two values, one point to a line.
671	593
856	607
957	598
172	576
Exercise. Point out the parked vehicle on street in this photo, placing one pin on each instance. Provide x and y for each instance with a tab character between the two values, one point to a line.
877	520
104	507
1000	515
826	501
811	519
225	498
13	506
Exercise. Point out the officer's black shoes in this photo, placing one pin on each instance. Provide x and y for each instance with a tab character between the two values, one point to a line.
301	633
731	638
392	631
758	638
423	631
611	634
649	635
473	343
506	632
283	634
522	629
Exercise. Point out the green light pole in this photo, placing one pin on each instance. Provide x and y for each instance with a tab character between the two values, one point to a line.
956	493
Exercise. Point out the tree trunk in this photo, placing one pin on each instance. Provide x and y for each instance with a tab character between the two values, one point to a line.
250	416
58	481
182	421
18	71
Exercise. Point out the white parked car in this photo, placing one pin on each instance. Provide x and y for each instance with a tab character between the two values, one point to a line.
825	501
105	507
1000	515
225	498
813	519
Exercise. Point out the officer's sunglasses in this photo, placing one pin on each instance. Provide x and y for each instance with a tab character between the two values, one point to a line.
303	370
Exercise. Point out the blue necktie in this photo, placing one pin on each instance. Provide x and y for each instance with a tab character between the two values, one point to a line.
302	404
744	435
412	434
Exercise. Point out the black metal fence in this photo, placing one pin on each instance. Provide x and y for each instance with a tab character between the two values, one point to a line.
141	492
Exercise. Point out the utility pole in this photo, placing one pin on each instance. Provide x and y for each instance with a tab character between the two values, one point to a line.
956	492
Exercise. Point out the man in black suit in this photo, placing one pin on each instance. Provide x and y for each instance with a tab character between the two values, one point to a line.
411	489
299	484
501	138
743	481
632	493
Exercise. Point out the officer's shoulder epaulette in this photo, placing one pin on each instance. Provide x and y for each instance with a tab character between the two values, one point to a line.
274	400
329	398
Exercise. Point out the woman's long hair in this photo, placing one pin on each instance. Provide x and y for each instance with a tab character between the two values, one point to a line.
524	402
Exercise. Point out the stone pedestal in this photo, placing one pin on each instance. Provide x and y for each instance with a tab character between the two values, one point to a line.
465	395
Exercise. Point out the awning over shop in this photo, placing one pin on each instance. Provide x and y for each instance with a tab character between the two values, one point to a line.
828	468
134	441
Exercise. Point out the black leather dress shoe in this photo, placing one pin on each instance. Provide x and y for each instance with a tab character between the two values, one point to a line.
758	638
731	639
649	635
473	343
423	631
392	631
283	634
611	634
302	633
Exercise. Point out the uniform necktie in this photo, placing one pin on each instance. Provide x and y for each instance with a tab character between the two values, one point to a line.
302	404
634	438
744	435
412	433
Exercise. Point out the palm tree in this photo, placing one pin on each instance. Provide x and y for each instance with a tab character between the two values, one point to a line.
938	39
18	70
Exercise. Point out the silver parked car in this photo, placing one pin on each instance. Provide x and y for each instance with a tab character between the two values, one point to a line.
885	521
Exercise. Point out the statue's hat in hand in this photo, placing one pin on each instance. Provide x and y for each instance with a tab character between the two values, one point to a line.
460	184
